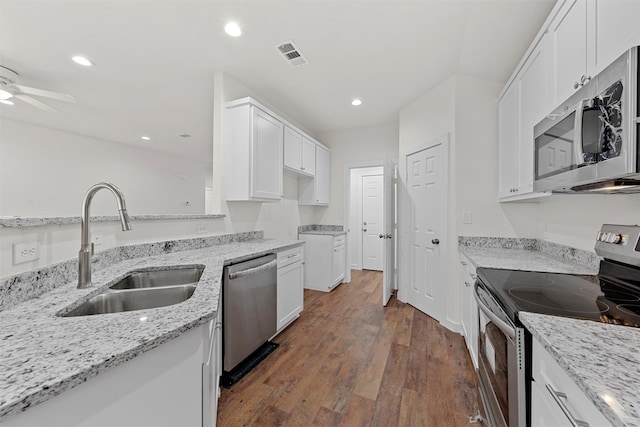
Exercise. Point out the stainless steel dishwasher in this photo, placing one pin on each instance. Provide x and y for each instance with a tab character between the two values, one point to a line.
249	314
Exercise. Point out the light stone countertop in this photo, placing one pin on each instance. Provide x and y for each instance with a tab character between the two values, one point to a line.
21	221
523	259
324	232
602	359
42	355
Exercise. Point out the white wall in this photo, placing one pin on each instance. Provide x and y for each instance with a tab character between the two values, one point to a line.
45	172
351	146
277	220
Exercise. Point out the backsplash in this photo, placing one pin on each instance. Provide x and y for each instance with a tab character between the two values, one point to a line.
24	286
555	250
316	227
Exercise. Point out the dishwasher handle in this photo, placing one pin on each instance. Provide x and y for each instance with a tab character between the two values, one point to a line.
255	270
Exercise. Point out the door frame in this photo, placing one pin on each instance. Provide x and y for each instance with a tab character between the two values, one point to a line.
405	220
347	204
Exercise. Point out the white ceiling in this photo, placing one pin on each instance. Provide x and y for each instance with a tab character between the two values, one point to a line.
155	60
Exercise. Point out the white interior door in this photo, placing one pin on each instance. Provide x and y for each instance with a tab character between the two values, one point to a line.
389	228
427	192
372	227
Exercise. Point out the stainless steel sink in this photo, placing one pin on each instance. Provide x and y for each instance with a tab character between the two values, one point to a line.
154	278
133	299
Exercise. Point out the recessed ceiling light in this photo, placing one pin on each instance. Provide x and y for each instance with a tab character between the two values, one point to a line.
5	94
4	101
233	29
356	102
81	60
146	138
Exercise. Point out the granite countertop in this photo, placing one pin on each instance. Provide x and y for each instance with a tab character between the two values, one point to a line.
523	259
600	371
602	359
42	355
324	232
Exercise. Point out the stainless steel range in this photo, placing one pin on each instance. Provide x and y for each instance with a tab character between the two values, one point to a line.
504	355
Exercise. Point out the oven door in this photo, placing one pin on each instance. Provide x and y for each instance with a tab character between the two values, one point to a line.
501	364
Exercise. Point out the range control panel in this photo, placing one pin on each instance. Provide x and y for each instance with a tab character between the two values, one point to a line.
619	243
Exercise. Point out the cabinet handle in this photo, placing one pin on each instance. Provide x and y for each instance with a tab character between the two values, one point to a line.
557	395
467	284
473	276
576	85
301	167
463	262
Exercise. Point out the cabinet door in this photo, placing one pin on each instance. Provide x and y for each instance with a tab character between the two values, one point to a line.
508	141
290	293
338	264
308	156
322	179
569	39
614	27
266	156
292	148
534	105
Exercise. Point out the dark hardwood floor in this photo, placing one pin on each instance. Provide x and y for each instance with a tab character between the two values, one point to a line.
349	361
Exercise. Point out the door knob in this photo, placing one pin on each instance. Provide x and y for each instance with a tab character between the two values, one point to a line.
388	236
364	229
364	223
381	236
435	241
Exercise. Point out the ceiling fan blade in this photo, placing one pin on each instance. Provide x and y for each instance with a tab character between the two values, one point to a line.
38	104
45	93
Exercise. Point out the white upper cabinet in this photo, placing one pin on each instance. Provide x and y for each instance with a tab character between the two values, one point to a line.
568	33
316	191
523	105
299	153
253	146
308	156
614	27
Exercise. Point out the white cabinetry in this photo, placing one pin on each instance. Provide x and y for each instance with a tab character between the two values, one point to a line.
290	295
325	261
253	146
317	191
568	33
162	387
555	399
299	153
587	36
469	309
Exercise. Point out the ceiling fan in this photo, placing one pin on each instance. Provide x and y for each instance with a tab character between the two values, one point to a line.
9	89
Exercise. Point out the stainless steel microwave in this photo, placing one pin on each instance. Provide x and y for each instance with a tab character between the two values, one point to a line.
590	143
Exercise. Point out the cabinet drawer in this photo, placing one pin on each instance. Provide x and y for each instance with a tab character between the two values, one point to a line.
339	240
468	267
290	256
556	393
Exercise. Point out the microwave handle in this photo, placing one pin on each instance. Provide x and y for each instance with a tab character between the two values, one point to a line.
577	133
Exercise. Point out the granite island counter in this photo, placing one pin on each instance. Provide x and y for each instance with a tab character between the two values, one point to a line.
42	355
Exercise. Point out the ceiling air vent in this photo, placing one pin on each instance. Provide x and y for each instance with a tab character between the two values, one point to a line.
291	53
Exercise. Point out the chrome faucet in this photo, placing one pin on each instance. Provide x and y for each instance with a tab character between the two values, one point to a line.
86	249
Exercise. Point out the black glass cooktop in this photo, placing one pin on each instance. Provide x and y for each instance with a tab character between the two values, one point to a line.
611	297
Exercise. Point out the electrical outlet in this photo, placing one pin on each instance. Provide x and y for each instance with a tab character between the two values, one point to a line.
200	229
25	252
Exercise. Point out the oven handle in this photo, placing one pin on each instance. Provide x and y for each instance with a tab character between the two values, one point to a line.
504	326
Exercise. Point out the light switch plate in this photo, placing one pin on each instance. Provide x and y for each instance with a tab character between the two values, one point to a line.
466	218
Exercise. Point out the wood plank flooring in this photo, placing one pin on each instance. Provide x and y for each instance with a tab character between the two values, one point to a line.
349	361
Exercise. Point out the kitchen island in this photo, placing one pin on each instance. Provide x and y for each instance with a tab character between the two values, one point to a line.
42	355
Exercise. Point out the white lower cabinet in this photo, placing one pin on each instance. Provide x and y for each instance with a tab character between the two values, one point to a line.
469	308
164	387
555	399
290	294
325	261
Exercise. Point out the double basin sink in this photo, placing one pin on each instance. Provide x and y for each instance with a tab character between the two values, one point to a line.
142	289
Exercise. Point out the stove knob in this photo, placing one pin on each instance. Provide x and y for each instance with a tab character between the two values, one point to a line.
615	238
605	237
